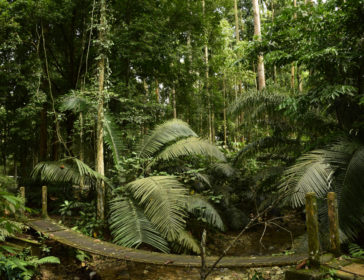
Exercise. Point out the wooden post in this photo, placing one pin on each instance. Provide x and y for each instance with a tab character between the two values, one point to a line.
22	195
44	202
203	272
312	229
333	223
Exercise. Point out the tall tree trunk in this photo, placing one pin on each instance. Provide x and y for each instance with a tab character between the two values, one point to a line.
237	37
257	34
225	121
174	102
43	134
100	118
292	75
55	145
299	80
157	90
292	65
274	66
206	52
236	21
212	126
15	170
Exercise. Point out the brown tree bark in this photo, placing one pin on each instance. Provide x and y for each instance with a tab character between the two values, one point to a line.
157	90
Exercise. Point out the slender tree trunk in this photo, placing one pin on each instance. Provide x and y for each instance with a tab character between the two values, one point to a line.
174	102
236	21
274	66
299	80
212	126
82	148
55	145
257	34
15	170
157	90
292	65
43	134
256	78
292	75
100	119
225	121
237	37
206	52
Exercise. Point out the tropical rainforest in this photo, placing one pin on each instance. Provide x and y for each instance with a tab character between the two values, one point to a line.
150	121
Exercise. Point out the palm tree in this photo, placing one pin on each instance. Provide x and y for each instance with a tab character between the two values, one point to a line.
337	168
160	204
151	209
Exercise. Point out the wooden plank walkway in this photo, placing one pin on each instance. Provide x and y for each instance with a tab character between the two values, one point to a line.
74	239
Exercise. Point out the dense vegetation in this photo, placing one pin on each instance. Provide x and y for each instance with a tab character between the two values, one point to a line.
261	101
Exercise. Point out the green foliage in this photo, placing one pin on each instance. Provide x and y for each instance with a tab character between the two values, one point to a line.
14	264
82	256
7	183
204	211
133	229
22	266
356	251
159	203
11	206
337	168
68	170
163	134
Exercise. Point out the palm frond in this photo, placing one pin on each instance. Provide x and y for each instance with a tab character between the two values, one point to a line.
264	143
185	241
163	134
113	137
257	104
203	178
130	227
203	209
70	170
163	199
76	104
223	168
350	200
338	168
311	173
191	146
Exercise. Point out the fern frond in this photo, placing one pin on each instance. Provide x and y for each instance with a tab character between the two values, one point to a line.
45	260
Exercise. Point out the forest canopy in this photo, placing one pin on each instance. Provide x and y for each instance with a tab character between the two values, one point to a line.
216	106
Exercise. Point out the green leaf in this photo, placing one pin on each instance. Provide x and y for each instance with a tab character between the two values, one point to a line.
163	199
130	227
